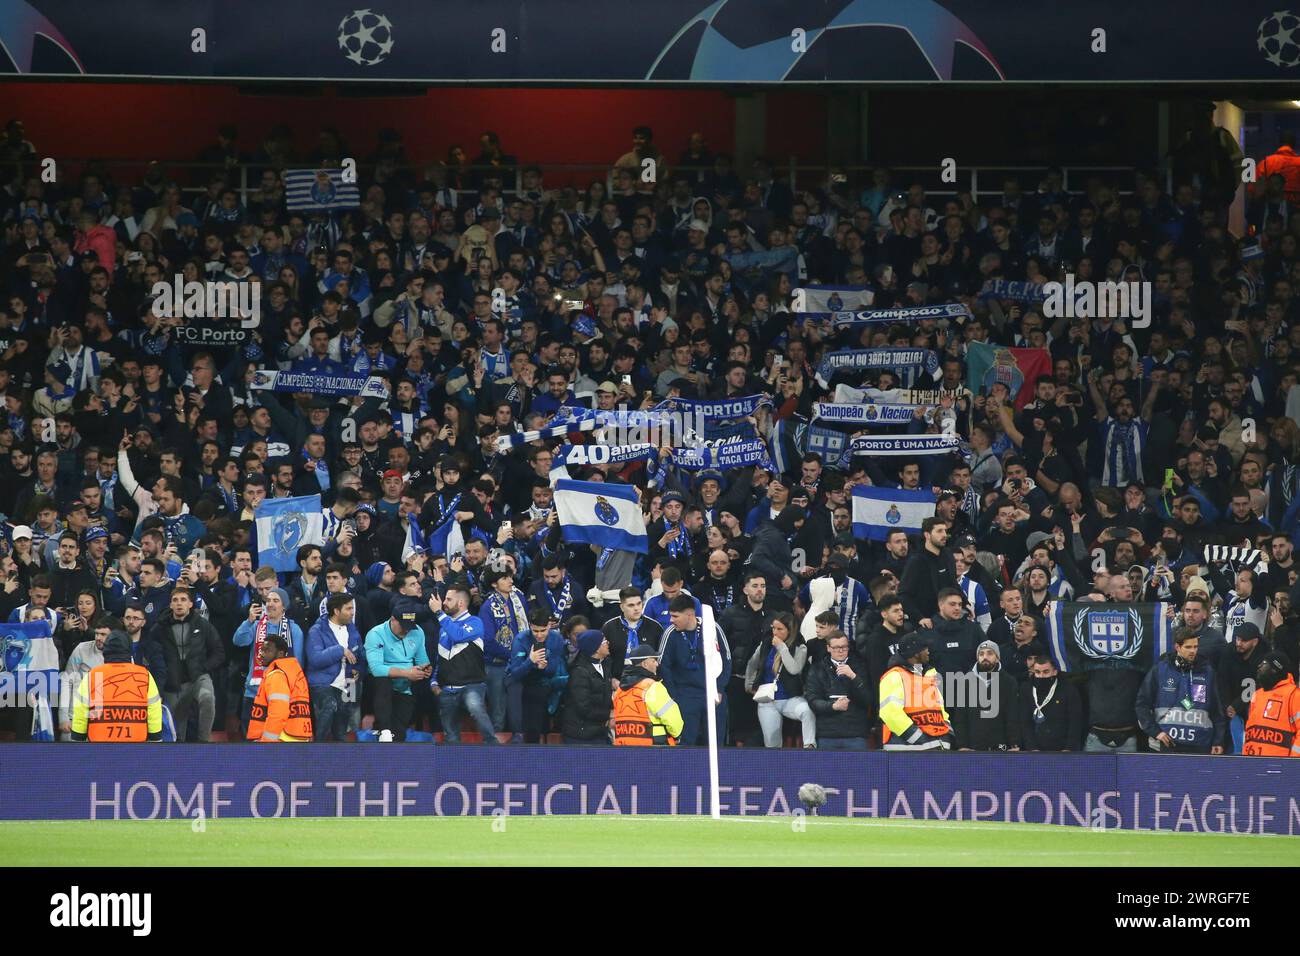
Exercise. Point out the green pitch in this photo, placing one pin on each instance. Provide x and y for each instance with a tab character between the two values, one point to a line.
591	840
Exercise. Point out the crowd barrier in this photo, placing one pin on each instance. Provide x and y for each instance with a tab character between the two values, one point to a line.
1188	794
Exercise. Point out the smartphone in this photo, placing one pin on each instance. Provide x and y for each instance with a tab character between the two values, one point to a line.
627	379
508	527
1169	478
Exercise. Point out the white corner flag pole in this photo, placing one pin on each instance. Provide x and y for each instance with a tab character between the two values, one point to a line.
712	671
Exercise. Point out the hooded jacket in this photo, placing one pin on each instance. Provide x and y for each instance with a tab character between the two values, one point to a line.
989	716
771	555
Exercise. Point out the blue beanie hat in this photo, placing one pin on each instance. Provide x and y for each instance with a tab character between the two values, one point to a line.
589	642
375	573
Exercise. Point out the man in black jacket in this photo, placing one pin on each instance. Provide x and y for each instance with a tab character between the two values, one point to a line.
746	623
771	553
928	571
954	637
1237	676
986	712
193	651
589	696
630	628
882	642
1050	707
837	692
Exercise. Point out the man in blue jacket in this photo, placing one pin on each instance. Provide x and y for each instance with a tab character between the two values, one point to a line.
333	648
535	676
681	667
1178	705
461	677
395	656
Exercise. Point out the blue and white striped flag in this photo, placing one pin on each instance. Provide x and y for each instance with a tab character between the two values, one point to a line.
283	526
446	539
879	511
319	190
606	515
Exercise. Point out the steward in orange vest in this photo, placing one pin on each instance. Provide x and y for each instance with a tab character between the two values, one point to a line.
117	701
1271	728
282	710
911	701
644	714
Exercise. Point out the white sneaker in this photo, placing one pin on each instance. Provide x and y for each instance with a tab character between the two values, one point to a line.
385	736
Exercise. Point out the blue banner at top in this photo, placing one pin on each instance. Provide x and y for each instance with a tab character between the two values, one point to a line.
675	41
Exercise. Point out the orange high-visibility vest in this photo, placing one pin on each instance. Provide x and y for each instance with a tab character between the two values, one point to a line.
282	710
633	726
118	708
1272	724
922	702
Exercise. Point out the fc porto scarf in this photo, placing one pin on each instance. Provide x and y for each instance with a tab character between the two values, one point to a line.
893	359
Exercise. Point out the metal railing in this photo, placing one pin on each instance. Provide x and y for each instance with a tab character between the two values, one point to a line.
979	181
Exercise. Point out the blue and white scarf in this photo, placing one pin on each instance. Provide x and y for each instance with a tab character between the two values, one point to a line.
905	445
561	604
508	617
894	359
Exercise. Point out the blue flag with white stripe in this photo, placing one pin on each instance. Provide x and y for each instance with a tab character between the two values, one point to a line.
283	526
447	539
606	515
1085	636
877	512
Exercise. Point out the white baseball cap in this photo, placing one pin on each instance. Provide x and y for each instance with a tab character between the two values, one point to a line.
21	531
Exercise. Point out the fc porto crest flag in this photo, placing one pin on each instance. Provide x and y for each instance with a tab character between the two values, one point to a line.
283	526
319	190
878	512
600	513
1085	636
1017	369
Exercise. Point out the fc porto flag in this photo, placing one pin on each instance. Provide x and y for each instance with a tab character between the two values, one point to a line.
1017	369
29	659
283	526
879	511
319	190
606	515
1084	636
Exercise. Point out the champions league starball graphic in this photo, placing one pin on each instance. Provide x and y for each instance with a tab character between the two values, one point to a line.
1278	38
365	37
20	25
711	45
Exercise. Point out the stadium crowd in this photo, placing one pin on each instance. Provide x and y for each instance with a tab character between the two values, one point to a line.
1146	463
